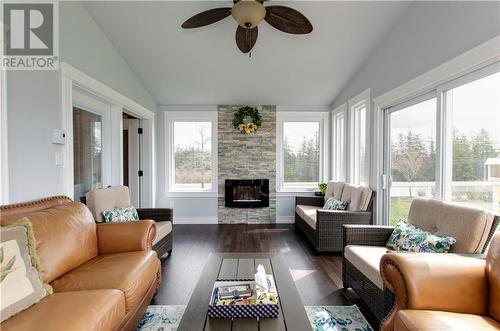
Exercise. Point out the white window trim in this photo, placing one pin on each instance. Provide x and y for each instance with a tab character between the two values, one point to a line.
304	116
188	116
339	162
469	62
362	99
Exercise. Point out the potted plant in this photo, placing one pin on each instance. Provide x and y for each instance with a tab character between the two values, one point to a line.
322	190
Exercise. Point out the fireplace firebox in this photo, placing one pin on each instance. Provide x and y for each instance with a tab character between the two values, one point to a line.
247	193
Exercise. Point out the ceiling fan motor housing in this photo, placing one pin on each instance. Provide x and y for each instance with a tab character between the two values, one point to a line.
248	13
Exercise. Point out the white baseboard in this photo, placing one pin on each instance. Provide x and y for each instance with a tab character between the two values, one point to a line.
195	220
285	220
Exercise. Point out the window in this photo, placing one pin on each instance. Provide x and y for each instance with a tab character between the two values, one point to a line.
412	163
474	142
358	139
339	141
191	151
301	150
445	145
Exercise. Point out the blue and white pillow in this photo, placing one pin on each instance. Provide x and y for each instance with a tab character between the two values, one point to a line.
407	237
121	215
334	204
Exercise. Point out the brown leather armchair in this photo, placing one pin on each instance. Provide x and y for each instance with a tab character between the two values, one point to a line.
443	291
103	275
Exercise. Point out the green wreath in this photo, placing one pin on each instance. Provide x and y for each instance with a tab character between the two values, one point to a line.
245	112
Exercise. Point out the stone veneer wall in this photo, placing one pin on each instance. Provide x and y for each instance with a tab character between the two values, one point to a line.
246	156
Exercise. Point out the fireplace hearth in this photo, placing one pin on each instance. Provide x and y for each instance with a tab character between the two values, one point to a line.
247	193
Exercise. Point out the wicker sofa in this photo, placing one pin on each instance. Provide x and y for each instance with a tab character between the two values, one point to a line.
323	228
364	246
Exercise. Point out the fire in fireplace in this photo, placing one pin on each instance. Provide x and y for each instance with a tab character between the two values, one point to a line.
247	193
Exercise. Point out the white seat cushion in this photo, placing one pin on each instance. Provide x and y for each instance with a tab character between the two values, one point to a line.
358	196
162	230
367	260
308	214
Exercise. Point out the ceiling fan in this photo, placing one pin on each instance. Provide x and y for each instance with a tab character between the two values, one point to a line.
248	14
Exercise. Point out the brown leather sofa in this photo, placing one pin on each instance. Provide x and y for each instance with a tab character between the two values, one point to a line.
443	292
103	275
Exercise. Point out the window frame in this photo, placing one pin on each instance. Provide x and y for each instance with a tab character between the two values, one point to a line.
358	102
306	116
189	116
444	137
339	139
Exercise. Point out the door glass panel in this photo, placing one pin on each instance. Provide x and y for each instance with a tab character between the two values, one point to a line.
475	115
87	152
412	156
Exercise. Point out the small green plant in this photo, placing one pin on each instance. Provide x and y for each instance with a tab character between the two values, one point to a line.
5	269
322	188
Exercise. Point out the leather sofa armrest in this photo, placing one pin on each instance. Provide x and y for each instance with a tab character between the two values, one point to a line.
310	201
368	235
430	281
155	214
126	236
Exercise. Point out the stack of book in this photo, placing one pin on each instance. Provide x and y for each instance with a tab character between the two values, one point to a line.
241	294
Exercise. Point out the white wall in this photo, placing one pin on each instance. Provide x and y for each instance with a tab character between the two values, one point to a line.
427	35
34	103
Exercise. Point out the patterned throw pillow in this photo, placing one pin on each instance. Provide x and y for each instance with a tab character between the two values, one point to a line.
334	204
407	237
121	215
20	281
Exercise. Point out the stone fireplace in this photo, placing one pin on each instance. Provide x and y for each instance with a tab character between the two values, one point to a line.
251	160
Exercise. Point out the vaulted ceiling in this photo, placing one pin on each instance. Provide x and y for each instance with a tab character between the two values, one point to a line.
204	66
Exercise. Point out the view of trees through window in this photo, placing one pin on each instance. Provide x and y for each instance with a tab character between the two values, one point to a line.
474	110
301	154
192	155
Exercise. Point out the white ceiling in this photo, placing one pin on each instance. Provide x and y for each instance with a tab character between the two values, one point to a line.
204	66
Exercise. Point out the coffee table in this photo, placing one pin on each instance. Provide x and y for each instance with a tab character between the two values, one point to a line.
231	266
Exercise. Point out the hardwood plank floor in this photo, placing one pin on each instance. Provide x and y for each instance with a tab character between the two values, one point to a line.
318	278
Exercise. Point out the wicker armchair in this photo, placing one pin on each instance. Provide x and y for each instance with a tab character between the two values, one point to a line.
119	197
323	228
365	245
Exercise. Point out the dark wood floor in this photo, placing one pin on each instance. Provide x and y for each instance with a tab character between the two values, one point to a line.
318	278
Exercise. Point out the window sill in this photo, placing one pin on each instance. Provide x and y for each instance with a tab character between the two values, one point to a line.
294	193
191	194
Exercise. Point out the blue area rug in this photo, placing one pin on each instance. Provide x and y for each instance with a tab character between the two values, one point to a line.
337	318
322	318
161	318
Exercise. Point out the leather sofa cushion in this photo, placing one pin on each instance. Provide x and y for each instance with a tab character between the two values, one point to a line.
493	272
308	214
131	272
413	320
367	260
359	197
162	230
107	199
469	226
75	311
334	189
65	234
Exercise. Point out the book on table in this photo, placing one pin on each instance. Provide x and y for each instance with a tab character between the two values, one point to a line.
235	291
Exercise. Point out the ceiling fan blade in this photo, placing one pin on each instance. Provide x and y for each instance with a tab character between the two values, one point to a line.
288	20
207	17
246	38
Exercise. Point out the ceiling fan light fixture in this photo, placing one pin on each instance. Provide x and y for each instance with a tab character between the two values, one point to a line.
248	13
